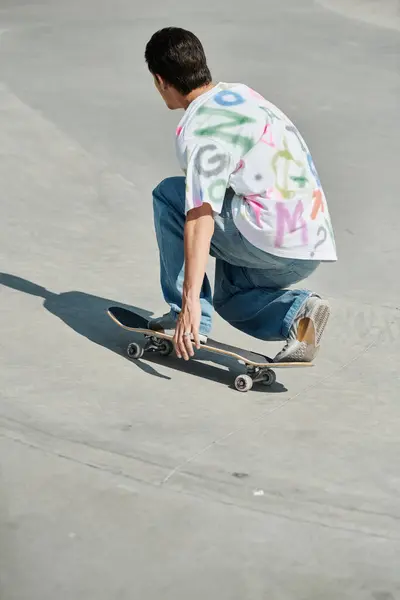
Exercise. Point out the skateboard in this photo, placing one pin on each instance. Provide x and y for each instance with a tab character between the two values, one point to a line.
259	368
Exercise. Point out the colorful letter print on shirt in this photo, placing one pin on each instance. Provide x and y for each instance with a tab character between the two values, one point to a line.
232	137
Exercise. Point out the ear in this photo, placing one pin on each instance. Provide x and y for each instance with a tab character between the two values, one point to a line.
160	82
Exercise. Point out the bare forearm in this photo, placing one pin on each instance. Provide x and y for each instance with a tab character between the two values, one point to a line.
199	229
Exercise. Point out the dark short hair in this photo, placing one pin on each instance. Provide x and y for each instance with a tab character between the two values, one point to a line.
177	55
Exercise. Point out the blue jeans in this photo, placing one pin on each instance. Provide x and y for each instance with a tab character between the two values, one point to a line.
249	290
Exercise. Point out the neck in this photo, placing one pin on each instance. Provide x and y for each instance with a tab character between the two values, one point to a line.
196	93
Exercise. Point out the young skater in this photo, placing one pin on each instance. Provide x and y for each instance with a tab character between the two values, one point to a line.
251	197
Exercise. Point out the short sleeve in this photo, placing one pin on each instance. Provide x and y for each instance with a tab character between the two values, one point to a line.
207	175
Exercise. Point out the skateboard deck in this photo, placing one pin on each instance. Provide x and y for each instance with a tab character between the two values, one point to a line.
259	368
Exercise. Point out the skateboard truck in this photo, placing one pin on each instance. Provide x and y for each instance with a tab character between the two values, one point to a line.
244	383
152	344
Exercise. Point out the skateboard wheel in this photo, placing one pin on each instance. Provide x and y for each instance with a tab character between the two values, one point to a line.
269	378
134	351
166	348
243	383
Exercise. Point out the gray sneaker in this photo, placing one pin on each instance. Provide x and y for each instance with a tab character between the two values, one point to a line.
306	332
167	324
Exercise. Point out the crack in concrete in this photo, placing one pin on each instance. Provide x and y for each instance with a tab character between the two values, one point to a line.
223	501
265	414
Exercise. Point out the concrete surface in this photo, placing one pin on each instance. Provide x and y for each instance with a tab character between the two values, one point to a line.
118	479
375	12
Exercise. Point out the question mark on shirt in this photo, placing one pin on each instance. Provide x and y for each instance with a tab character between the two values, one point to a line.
320	241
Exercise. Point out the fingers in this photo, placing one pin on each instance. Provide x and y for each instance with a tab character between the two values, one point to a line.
187	342
176	342
196	338
183	343
187	333
184	347
180	347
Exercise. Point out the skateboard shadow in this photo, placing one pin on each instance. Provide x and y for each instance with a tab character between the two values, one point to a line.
86	314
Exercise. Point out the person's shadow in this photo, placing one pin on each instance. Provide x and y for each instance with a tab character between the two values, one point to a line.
87	315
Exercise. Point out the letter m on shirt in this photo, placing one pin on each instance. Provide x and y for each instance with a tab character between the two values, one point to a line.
287	222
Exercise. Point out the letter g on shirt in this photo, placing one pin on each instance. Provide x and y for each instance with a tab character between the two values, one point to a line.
207	176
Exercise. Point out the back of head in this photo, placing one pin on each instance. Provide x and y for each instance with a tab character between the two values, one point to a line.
177	56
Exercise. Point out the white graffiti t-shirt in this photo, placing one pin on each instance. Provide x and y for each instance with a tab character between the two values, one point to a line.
232	137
